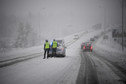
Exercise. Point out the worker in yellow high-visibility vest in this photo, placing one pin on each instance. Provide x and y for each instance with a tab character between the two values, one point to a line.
54	47
46	48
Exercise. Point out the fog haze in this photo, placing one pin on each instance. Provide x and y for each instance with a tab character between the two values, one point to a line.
57	18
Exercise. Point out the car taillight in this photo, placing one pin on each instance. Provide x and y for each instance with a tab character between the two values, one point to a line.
84	47
91	47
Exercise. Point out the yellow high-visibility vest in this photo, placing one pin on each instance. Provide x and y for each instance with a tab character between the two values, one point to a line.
54	44
47	45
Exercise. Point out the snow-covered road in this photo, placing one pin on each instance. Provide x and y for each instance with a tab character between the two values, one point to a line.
105	65
97	69
76	68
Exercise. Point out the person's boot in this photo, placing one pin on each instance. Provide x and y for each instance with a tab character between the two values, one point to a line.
44	57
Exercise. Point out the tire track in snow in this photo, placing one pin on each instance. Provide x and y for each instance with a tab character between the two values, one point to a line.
87	73
118	70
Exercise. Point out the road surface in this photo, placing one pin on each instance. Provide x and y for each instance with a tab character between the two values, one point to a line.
78	67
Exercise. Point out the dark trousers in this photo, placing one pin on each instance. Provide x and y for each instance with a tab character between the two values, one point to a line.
46	51
53	52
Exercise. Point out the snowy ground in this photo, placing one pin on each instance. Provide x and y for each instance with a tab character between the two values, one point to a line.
109	44
105	65
112	50
108	54
19	52
47	71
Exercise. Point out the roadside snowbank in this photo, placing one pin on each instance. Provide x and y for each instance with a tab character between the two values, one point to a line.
18	52
109	44
111	50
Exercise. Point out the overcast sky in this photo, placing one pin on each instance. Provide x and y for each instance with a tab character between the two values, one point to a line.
62	16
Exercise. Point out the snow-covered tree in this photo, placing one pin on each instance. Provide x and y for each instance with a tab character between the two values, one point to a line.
26	36
21	36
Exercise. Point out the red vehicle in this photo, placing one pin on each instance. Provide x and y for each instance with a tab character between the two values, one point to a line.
86	46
